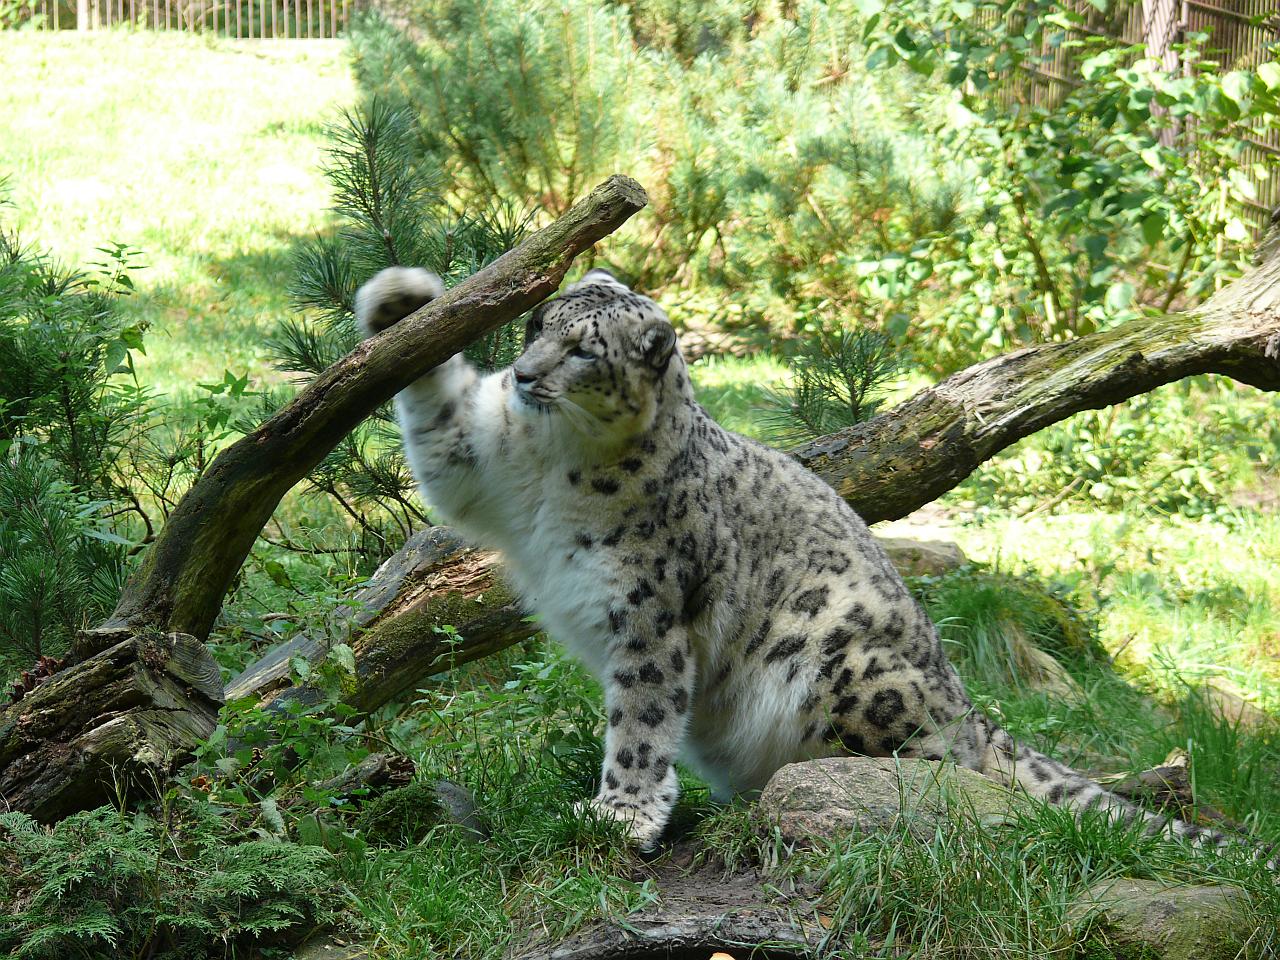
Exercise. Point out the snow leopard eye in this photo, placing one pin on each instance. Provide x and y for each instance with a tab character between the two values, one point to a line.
582	353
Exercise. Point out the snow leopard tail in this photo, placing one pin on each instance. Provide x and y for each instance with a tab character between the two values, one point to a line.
1016	765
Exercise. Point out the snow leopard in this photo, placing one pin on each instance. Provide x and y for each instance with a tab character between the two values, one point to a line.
738	613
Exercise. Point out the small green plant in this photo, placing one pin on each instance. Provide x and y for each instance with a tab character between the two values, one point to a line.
60	564
1180	449
836	375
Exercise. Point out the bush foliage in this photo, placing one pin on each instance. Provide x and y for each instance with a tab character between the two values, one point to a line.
880	164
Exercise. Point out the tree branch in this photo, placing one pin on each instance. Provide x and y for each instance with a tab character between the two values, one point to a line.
914	453
183	578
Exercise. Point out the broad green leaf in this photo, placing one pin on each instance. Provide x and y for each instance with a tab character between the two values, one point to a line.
107	537
1119	295
1236	231
1269	73
1238	85
1153	227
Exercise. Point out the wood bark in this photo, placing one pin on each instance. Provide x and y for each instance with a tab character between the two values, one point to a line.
188	570
884	468
125	717
396	624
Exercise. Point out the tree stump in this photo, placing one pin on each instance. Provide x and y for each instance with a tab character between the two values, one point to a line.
121	720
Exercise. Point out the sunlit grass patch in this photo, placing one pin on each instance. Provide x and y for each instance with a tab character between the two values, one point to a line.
735	390
202	154
1189	599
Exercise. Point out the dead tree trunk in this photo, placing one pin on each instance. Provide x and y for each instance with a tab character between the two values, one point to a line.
395	625
885	468
914	453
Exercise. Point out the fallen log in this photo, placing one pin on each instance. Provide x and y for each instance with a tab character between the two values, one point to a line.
917	451
125	717
396	625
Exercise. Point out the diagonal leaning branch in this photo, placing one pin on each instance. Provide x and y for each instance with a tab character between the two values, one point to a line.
917	451
884	468
186	573
142	689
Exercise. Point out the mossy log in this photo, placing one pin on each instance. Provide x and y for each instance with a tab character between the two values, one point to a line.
188	570
396	625
124	717
917	451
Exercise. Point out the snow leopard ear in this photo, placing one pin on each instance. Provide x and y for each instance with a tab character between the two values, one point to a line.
657	344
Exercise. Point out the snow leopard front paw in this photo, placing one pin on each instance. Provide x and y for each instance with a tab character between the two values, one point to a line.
391	295
643	826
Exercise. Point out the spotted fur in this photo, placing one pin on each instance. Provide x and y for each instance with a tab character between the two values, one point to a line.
737	611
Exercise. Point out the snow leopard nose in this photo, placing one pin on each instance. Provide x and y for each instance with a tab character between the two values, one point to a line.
522	377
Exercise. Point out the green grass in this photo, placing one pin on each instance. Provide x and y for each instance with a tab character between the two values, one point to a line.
735	391
1175	597
203	154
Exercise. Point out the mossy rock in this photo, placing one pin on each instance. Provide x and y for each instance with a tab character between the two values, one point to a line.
407	814
834	797
401	816
1148	920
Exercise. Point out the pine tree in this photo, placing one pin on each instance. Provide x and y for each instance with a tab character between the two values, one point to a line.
391	212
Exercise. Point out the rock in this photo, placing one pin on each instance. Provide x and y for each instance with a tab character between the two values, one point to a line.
333	948
1146	920
923	558
407	814
834	797
1224	699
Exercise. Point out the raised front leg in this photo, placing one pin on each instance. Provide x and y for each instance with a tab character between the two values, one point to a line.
647	694
438	412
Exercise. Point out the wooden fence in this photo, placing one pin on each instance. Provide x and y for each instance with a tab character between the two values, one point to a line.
1242	34
240	19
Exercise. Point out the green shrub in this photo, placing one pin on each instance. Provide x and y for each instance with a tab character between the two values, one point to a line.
107	883
66	417
1125	192
1183	448
774	166
60	566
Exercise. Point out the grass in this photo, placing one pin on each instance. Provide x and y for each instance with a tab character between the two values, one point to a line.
202	154
1178	599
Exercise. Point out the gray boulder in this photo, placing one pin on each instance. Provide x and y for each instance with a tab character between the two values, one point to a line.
922	558
837	797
